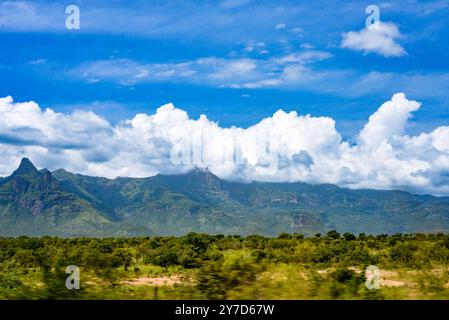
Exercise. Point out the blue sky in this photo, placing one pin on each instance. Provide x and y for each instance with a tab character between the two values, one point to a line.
223	58
333	99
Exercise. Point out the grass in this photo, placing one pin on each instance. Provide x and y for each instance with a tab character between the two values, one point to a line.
277	281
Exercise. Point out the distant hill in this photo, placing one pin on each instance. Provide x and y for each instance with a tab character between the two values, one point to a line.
61	203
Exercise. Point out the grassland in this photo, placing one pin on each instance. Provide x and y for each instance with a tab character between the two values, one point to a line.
200	266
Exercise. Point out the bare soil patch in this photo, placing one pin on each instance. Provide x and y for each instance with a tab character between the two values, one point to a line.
156	281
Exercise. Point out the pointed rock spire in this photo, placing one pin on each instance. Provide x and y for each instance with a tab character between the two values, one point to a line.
25	167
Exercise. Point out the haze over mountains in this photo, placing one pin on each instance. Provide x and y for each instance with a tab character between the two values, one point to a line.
60	203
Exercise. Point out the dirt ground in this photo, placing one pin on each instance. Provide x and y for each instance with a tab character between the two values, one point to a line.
156	281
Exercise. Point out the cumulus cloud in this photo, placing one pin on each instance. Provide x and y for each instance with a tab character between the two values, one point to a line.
389	120
285	147
379	38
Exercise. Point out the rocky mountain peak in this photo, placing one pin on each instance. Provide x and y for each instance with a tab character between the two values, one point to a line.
25	167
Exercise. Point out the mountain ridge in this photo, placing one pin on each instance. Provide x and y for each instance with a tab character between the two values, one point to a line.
61	203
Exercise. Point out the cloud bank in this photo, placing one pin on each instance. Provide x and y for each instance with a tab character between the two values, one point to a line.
288	70
306	148
298	70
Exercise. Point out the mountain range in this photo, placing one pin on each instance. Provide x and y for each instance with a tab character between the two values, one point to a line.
39	202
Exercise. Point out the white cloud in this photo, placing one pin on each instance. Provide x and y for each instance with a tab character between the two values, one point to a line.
24	15
218	72
308	148
389	120
297	30
300	70
218	22
429	85
307	46
280	26
380	38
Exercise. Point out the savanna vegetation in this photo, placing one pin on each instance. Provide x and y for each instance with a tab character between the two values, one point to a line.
200	266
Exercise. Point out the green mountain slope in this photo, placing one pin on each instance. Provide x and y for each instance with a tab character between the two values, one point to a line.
32	202
62	203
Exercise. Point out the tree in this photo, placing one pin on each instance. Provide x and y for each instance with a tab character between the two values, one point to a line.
25	258
349	236
166	258
125	256
284	235
333	234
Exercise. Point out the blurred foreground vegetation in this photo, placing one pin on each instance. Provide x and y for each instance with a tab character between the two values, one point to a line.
200	266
